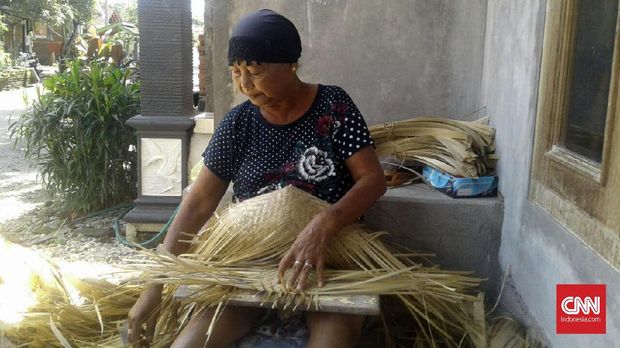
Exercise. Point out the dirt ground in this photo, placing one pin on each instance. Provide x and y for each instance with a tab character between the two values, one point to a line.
27	213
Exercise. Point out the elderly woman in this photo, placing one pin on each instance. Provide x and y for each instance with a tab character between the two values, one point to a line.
289	132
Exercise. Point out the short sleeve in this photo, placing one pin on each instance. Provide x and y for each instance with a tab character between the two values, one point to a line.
351	133
219	156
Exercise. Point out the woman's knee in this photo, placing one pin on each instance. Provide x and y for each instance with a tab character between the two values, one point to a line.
193	334
345	324
232	324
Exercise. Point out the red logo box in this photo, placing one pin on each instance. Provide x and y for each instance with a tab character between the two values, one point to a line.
580	309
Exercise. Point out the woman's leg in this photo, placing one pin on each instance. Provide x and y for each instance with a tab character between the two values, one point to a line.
233	323
333	330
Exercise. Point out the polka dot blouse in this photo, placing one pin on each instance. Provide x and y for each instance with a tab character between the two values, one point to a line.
308	153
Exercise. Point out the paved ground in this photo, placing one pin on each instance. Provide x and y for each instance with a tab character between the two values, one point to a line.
20	191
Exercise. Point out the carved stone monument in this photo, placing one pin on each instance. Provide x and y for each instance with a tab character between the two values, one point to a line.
165	123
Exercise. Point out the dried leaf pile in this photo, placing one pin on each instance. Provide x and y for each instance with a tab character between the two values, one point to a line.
459	148
42	306
242	247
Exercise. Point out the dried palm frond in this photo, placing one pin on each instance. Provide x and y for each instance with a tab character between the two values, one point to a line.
504	332
459	148
241	249
44	306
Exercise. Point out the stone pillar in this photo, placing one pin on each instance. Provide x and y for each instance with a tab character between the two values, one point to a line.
202	65
208	49
166	105
217	13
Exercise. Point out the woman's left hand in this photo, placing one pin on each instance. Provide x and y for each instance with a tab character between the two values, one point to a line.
308	253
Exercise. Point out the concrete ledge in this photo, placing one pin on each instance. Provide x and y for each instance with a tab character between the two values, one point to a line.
203	131
464	233
132	230
151	213
161	124
204	123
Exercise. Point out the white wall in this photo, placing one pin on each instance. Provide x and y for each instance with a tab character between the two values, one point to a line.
397	59
539	251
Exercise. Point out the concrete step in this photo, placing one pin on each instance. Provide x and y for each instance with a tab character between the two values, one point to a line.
464	233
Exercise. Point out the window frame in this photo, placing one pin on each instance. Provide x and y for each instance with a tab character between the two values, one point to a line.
581	194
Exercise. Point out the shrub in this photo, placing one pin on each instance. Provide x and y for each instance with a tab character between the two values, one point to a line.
76	133
5	59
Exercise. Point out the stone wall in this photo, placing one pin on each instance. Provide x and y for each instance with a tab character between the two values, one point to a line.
15	78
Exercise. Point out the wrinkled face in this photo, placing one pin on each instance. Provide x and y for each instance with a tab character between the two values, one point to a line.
264	83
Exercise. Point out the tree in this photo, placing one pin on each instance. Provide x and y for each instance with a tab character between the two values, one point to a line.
72	13
128	12
53	12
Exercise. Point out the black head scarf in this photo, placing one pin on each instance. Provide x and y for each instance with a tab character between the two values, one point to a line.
264	36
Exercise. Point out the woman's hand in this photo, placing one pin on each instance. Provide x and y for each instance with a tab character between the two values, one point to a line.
308	253
196	208
144	311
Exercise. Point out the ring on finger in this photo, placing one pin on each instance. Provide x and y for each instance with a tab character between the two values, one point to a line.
308	265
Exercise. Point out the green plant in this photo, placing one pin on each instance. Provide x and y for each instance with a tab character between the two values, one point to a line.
5	59
110	37
76	134
128	11
3	27
124	34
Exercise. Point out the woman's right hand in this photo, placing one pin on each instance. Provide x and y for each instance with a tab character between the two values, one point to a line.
144	311
196	208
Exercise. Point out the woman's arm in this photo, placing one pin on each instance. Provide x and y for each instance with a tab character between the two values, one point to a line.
196	208
312	243
369	185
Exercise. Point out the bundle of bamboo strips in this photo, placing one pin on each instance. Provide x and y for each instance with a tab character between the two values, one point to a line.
505	332
242	247
238	251
43	306
460	148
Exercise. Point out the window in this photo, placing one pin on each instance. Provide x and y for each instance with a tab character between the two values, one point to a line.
576	164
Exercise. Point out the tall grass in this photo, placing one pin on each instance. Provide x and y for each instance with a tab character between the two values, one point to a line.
75	133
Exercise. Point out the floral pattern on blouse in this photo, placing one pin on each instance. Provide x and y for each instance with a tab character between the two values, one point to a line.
309	153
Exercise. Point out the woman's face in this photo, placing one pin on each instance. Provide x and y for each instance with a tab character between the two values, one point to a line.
264	83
